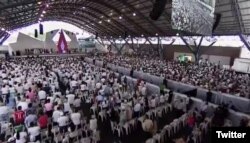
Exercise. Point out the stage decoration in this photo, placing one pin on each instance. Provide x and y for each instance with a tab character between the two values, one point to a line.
62	45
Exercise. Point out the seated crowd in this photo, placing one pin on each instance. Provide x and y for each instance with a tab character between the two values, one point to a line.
205	74
65	100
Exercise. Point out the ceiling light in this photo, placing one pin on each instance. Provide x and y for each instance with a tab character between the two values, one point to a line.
83	7
108	20
2	29
111	14
42	15
142	35
39	2
120	17
47	5
44	12
134	14
156	34
177	34
102	16
100	22
128	36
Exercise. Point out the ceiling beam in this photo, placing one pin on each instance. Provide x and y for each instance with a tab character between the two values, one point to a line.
82	23
159	30
91	15
22	2
238	16
105	4
83	18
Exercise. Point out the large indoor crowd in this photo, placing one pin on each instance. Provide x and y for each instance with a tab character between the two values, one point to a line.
204	74
65	100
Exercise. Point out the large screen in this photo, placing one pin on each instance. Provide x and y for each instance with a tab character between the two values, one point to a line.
193	16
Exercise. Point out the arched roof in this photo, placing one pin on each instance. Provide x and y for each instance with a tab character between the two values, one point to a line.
115	17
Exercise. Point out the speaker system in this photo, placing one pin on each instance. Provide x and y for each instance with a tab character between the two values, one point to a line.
36	33
158	8
217	21
125	34
18	53
41	29
96	35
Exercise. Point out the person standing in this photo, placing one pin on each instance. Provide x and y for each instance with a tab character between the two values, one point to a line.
170	97
209	96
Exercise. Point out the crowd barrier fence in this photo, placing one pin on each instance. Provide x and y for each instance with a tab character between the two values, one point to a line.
241	104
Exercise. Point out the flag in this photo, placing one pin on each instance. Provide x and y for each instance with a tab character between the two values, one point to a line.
62	45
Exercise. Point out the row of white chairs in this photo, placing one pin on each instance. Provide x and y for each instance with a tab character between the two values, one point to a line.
132	124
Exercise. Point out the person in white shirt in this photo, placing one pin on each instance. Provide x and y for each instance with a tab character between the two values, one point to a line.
42	95
20	89
4	113
73	84
67	107
76	118
153	102
5	91
63	123
71	98
56	115
77	103
12	90
144	90
137	110
21	137
23	104
93	123
34	132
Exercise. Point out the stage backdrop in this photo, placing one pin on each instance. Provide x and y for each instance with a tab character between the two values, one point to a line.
62	45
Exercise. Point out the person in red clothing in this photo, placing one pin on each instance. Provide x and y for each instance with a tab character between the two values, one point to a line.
191	120
43	120
19	116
